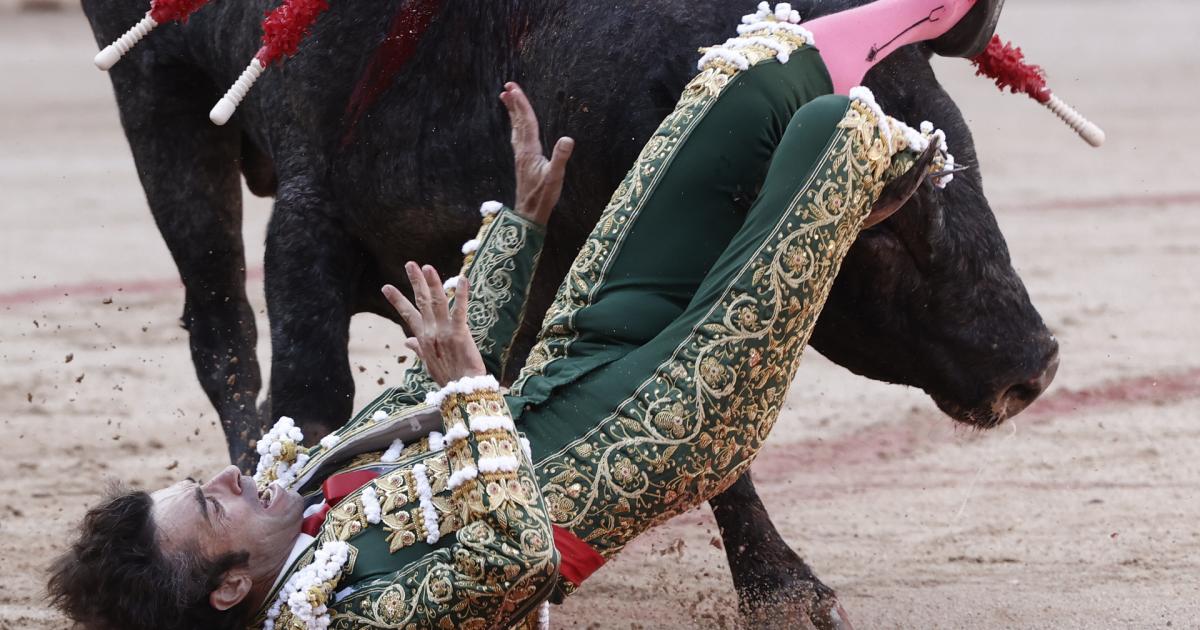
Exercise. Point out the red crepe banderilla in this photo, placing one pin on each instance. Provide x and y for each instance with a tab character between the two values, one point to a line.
1005	64
283	30
161	12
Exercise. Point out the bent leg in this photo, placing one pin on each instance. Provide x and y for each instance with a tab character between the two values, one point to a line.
687	195
683	415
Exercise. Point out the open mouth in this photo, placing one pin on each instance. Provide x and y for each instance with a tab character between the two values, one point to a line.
268	496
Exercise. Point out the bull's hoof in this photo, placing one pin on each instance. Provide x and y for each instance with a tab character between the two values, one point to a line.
802	605
832	618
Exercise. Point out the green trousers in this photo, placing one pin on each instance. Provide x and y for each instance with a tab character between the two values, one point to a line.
667	354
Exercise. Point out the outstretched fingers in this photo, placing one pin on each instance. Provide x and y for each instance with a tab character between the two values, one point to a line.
438	302
440	337
558	166
462	295
525	138
421	293
408	312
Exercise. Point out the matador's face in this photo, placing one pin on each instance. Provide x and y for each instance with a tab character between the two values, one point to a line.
225	514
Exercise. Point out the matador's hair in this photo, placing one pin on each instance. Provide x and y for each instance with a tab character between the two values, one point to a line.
116	576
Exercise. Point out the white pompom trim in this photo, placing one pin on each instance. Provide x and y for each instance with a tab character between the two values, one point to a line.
392	454
428	512
450	284
462	476
948	177
470	246
379	416
864	95
918	141
490	208
330	441
481	424
465	385
734	58
501	463
783	52
270	447
760	29
526	447
773	28
326	565
455	433
371	507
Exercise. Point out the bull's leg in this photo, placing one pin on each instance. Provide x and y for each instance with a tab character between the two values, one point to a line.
775	588
313	267
188	168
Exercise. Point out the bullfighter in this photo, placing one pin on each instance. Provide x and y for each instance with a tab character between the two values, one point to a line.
659	370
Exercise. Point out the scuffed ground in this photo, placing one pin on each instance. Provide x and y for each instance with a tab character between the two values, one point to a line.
1081	514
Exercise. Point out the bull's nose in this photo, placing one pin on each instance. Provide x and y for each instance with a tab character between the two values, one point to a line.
1019	396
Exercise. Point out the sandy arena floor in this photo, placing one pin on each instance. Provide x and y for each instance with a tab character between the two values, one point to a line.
1083	513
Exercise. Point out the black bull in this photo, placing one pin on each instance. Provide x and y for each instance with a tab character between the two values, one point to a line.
380	139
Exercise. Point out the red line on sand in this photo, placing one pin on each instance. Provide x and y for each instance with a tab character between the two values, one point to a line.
865	445
28	296
894	440
106	288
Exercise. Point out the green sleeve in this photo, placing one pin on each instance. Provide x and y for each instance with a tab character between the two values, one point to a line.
500	264
500	271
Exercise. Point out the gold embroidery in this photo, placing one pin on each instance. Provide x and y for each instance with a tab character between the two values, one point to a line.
491	274
401	518
591	264
477	583
684	435
690	430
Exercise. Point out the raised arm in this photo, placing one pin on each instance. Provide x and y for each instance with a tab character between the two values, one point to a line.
458	538
500	262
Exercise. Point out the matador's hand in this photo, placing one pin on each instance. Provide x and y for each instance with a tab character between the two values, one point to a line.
539	181
441	337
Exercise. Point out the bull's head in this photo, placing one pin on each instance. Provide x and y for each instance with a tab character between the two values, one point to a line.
929	297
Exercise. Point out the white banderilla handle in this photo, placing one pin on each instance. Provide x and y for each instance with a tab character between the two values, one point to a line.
113	52
223	110
1088	130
